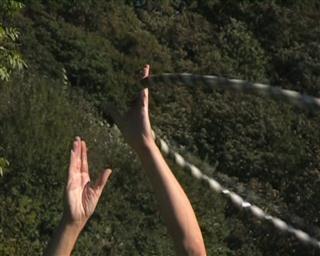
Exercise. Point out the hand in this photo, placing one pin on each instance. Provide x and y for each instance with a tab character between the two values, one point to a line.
81	196
135	124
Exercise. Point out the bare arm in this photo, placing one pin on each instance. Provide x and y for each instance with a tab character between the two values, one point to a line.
174	205
64	238
81	201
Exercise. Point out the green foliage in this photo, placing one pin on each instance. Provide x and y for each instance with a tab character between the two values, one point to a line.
268	152
9	58
9	7
45	110
3	165
244	52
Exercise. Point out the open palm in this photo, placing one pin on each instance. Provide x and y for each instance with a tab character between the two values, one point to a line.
81	196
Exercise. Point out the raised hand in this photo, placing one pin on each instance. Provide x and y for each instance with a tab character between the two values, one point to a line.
81	201
81	196
135	124
174	205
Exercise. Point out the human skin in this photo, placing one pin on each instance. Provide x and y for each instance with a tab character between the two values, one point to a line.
174	205
81	199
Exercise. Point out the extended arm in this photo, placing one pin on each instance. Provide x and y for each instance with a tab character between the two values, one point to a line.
174	205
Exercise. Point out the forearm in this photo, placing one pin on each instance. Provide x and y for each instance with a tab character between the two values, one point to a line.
64	239
173	203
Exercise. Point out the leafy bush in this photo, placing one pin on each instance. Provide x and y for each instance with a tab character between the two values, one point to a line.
36	132
266	151
10	60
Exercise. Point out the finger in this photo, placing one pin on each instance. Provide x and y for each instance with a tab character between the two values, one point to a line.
74	158
102	181
77	147
146	71
145	98
84	158
72	165
141	100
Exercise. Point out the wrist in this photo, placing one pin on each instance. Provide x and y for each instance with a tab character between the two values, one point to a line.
72	225
64	238
147	146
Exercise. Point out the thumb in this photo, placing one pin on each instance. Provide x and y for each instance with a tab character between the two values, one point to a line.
146	71
144	98
102	181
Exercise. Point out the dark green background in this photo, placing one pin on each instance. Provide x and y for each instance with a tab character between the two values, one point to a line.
266	151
